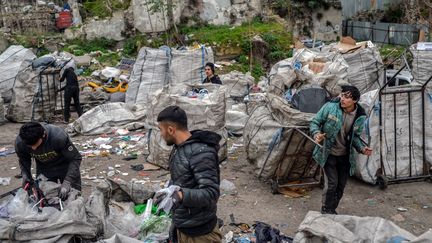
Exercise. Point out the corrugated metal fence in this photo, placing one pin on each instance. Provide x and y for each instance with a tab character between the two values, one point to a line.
390	33
352	7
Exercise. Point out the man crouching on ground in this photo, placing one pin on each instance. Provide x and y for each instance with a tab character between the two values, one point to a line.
339	124
194	168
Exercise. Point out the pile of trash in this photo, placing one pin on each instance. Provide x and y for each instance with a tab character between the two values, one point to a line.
205	105
34	93
10	63
259	232
116	208
156	68
124	144
317	227
44	217
365	66
106	117
274	144
150	73
368	166
237	86
421	62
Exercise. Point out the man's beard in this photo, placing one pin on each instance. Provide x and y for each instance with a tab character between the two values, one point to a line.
170	141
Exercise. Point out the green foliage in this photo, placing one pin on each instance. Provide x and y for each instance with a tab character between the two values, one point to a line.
109	58
393	13
391	52
132	45
79	47
257	71
227	36
42	51
104	8
243	59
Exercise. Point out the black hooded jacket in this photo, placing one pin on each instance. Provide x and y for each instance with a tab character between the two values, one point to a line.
214	80
56	157
194	166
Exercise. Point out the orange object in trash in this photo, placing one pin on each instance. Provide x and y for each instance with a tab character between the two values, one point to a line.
64	20
123	87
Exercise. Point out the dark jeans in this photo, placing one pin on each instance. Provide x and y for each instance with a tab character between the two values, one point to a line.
69	93
336	173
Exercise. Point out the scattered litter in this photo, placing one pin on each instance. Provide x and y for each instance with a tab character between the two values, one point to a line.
228	187
99	141
401	209
117	166
125	174
371	202
425	207
105	146
110	168
143	174
122	132
137	167
111	173
5	181
13	168
398	218
5	152
131	157
229	236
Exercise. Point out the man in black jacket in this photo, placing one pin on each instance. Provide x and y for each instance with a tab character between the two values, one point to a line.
55	155
71	91
209	69
194	169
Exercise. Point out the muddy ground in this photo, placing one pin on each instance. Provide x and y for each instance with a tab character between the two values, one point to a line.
254	200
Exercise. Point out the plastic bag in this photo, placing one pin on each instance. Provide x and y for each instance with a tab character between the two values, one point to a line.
167	203
155	228
122	220
19	207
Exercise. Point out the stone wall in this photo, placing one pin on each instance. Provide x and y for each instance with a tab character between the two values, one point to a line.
329	26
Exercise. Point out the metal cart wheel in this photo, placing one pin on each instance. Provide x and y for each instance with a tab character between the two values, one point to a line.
382	182
274	187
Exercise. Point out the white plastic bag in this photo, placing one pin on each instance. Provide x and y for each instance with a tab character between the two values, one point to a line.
167	203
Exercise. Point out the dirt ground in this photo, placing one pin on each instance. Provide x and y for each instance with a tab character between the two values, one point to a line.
254	200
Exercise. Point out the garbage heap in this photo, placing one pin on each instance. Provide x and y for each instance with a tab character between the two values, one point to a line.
156	68
422	61
409	124
275	136
10	62
272	143
116	209
205	105
34	93
365	66
237	86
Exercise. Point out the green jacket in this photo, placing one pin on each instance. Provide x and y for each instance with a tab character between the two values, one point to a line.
329	120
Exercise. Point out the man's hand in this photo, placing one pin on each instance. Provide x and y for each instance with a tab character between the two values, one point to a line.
367	151
159	197
319	137
64	190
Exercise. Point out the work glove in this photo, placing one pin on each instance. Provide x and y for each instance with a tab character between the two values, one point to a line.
64	190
